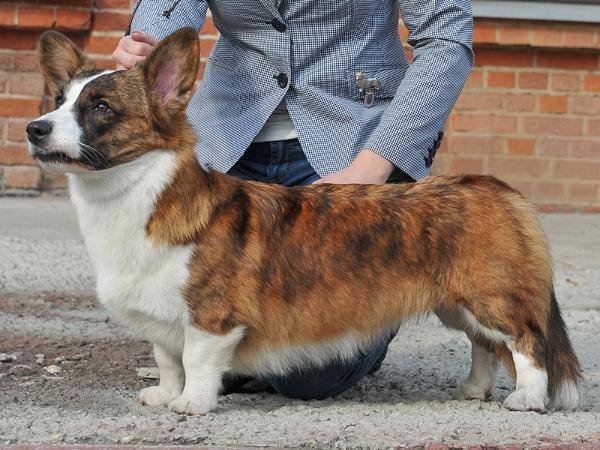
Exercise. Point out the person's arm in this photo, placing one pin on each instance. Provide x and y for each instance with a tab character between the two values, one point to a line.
441	34
154	20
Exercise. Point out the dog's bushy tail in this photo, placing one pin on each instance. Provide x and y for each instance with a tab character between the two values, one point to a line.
564	371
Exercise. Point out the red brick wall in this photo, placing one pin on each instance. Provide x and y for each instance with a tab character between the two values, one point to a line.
530	113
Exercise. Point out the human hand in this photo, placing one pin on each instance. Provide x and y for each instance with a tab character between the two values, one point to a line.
367	168
133	48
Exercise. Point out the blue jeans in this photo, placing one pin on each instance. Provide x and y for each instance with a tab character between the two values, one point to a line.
283	162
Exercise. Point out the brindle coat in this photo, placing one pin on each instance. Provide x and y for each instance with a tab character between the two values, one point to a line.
299	266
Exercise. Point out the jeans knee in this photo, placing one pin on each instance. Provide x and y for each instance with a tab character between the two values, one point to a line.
328	381
302	388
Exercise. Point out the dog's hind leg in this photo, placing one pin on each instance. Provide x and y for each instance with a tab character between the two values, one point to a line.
536	346
531	391
522	333
484	364
206	357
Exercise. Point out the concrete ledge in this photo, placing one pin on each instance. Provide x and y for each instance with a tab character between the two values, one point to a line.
562	12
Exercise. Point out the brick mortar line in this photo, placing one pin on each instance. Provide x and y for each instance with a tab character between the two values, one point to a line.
112	10
105	33
551	162
483	89
517	113
35	6
7	95
536	70
95	9
528	46
505	136
550	158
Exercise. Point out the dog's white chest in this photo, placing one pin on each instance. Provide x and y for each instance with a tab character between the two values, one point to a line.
139	281
142	279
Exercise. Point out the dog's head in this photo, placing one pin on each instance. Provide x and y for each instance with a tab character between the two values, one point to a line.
106	118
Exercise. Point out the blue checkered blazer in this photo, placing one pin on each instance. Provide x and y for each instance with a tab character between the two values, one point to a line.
308	51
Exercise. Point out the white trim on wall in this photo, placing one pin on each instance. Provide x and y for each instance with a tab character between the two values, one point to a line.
569	12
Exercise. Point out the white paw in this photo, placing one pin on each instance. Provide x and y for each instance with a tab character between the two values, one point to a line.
523	400
468	390
183	404
154	396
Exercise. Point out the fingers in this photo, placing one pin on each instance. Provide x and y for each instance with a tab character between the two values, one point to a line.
138	48
139	36
125	60
132	49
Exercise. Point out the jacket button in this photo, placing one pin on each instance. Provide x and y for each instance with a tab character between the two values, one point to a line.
282	80
278	25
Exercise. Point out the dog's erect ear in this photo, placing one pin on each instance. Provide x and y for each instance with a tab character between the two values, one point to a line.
171	70
59	60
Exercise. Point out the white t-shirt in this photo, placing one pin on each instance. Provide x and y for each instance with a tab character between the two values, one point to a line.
279	126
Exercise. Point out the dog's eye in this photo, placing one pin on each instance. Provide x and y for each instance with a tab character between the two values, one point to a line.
102	107
59	98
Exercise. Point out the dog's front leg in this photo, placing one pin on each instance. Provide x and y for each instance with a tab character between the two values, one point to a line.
206	357
171	379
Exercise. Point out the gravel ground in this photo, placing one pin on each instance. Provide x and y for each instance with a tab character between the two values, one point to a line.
82	390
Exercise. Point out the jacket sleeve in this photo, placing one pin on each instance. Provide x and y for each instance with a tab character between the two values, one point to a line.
149	16
441	34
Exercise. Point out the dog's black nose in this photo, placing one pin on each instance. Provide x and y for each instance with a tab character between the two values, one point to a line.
38	130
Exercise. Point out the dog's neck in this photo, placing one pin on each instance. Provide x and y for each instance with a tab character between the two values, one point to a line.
187	205
117	182
177	196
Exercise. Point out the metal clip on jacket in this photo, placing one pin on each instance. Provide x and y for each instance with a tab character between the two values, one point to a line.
367	87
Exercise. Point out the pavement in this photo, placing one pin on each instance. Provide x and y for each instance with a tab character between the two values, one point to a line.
70	375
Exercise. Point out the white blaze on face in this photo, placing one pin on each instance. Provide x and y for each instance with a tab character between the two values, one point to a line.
66	131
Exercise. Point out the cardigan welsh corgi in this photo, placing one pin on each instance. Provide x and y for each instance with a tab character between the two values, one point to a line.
224	275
